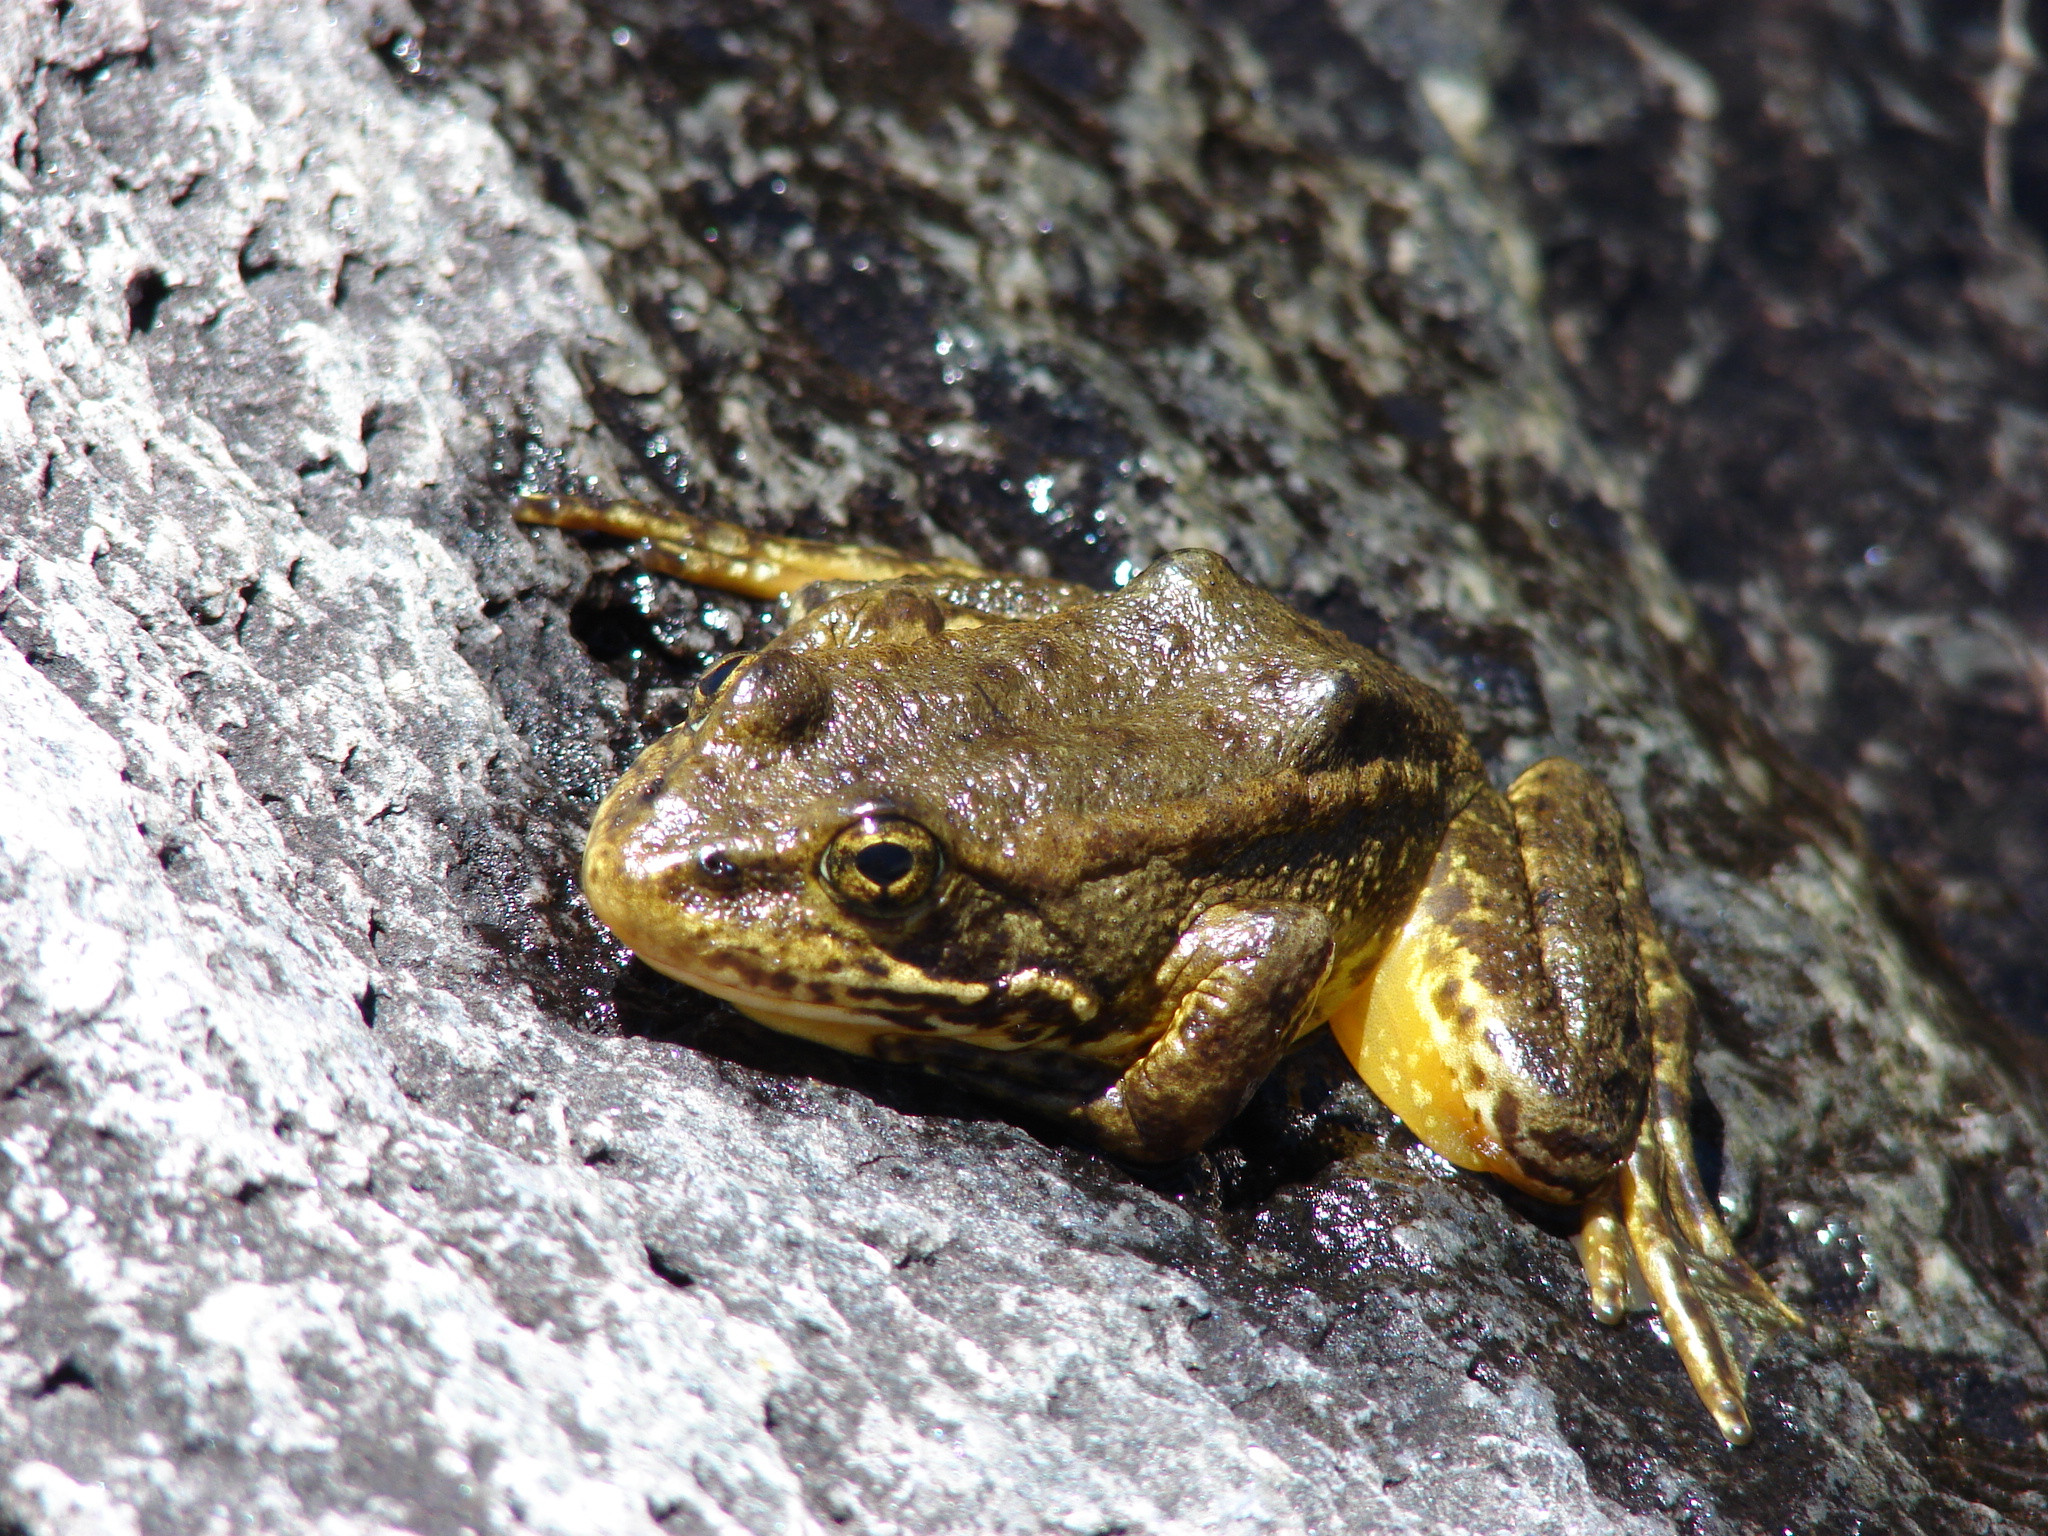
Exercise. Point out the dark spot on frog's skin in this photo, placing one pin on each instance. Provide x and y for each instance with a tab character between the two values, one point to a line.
874	967
1045	657
1566	1147
1507	1117
757	977
1449	998
1448	902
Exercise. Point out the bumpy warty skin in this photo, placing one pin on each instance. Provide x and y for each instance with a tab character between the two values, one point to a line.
345	1191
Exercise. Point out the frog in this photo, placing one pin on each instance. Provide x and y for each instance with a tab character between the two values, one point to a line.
1108	855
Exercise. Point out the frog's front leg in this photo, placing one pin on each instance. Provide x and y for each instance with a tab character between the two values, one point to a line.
1236	989
1234	993
1528	1022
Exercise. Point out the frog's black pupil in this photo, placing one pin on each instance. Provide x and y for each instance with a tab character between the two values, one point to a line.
712	681
884	863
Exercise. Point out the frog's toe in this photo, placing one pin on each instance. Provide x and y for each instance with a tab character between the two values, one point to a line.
1717	1310
1731	1417
1603	1250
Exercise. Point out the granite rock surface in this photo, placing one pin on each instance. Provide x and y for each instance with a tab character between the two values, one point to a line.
1794	263
352	1182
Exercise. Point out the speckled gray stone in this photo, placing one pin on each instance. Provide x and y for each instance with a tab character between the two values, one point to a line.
352	1182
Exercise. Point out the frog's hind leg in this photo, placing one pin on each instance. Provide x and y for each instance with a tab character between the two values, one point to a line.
1528	1022
1656	1214
1500	1024
725	555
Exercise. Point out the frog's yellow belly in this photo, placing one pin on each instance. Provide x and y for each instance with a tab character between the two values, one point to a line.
1413	1055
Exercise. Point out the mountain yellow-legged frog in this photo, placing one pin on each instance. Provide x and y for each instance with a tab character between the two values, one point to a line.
1109	854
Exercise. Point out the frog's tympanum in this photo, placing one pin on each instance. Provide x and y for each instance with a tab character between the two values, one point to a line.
1108	855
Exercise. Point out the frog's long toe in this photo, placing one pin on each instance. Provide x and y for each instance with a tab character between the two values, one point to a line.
1698	1331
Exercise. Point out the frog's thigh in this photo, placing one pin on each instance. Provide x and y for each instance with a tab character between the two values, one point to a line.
1501	1023
1238	986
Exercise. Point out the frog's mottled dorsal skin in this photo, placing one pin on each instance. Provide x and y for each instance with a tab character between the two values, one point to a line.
1109	854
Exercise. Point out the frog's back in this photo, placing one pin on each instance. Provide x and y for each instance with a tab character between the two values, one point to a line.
1190	717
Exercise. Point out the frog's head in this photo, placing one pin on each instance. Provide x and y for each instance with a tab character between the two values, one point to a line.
773	852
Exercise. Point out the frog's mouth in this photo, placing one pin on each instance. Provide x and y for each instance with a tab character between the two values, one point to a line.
839	1025
778	1009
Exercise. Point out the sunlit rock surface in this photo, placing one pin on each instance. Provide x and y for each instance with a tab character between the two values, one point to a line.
354	1183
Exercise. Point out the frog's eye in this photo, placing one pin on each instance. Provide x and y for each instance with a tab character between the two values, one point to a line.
720	674
882	864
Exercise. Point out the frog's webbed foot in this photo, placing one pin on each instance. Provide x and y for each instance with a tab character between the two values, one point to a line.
1719	1311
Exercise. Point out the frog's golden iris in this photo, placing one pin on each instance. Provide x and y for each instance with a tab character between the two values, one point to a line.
1136	844
881	865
